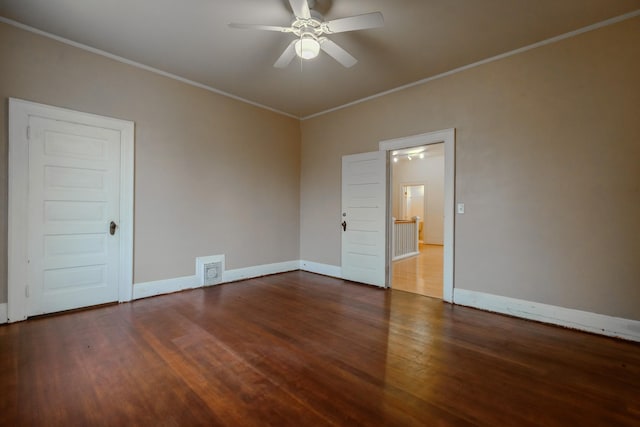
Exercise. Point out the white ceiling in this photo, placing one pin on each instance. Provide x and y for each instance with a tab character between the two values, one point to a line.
420	39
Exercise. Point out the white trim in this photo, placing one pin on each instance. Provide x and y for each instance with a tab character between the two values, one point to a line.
176	284
407	255
166	286
448	137
551	40
324	269
567	317
127	168
138	65
17	219
19	112
3	313
259	270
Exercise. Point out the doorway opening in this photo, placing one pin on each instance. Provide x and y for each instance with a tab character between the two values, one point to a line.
417	204
438	223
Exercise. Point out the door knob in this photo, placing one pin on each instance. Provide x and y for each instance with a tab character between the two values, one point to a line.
344	225
112	228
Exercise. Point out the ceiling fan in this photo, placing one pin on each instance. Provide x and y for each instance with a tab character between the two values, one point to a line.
310	29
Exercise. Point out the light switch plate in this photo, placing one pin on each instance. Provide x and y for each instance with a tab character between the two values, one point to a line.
460	208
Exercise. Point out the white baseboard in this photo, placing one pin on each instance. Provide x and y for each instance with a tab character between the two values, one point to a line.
407	255
324	269
3	313
576	319
167	286
259	270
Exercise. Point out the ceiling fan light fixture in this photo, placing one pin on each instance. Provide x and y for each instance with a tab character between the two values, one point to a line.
307	47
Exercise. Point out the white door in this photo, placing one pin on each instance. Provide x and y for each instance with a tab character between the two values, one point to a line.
74	195
364	197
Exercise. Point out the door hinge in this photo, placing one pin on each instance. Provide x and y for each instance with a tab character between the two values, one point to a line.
26	291
28	132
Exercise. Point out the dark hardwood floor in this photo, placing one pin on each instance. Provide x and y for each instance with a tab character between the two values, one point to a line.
300	349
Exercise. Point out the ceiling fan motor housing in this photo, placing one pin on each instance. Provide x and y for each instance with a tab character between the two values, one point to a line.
313	26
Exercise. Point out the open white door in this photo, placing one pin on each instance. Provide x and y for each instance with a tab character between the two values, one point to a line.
364	200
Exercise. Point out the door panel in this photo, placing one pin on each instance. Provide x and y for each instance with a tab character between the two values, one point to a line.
74	182
364	194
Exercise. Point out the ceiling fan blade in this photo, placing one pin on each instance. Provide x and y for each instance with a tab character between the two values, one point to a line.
338	53
260	27
300	8
286	57
358	22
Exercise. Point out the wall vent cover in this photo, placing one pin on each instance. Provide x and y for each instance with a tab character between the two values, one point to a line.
212	273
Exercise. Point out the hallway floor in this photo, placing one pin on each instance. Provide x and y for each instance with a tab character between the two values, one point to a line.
420	274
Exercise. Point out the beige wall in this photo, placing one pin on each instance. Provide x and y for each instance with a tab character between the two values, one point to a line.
548	147
213	175
547	163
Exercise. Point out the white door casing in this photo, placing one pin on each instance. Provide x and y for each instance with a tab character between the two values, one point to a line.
70	175
447	137
364	211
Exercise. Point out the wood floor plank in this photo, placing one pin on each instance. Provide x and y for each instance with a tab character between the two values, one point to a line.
303	349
